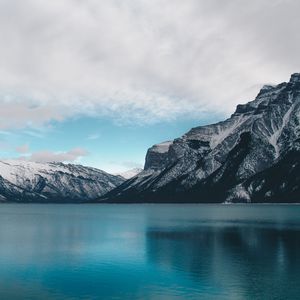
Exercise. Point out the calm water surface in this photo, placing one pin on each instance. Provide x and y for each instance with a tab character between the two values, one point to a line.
149	252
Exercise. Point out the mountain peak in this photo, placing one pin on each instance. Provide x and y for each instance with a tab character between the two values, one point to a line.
247	158
130	173
267	87
295	78
26	181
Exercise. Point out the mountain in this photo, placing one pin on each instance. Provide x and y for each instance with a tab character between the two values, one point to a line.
130	173
24	181
251	157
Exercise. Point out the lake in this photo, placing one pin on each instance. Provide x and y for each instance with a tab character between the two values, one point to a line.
149	251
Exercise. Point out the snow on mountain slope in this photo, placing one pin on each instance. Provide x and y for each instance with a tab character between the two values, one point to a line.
53	182
130	173
213	161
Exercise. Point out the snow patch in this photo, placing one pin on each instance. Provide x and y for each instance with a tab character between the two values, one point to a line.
239	193
130	173
273	139
224	132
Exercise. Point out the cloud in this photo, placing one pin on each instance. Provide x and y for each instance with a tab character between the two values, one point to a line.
34	133
5	133
23	148
49	156
138	60
131	164
93	136
116	167
17	114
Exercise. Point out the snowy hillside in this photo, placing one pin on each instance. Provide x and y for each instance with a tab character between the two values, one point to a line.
52	182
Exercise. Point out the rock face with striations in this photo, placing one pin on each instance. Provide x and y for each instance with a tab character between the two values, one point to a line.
251	157
23	181
157	156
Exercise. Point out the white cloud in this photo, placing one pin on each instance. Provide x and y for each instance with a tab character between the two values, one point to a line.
140	60
131	164
126	164
93	136
50	156
117	167
23	148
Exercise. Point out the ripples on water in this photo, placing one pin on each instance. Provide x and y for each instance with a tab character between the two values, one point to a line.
149	252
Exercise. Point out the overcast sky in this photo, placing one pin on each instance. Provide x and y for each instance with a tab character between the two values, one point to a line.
132	70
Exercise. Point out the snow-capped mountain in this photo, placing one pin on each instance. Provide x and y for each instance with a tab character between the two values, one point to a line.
251	157
130	173
24	181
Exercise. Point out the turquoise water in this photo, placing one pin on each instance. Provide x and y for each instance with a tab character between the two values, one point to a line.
149	251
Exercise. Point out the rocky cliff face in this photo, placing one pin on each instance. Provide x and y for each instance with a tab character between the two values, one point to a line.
232	161
22	181
157	156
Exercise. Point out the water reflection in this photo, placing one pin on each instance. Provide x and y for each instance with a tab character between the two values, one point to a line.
254	263
149	252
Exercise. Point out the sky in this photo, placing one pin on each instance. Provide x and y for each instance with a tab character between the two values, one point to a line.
99	82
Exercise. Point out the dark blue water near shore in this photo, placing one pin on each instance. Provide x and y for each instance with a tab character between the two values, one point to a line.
149	251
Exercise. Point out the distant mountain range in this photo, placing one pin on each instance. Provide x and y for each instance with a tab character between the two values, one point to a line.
254	156
24	181
130	173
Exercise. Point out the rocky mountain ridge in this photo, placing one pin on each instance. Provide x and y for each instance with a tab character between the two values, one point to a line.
250	157
24	181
